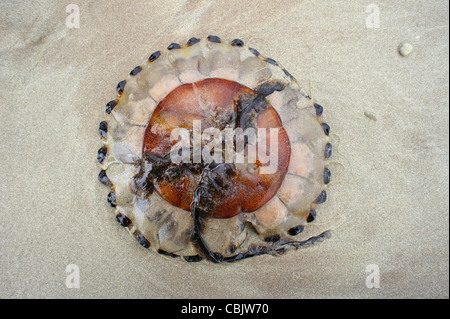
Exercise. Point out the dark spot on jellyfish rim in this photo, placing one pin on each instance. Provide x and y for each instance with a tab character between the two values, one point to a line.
272	239
142	240
154	56
111	199
326	128
110	106
237	43
328	150
193	41
319	109
136	70
165	253
271	61
101	154
232	248
123	220
254	51
103	129
296	230
322	198
193	259
326	175
312	216
173	46
121	86
103	178
214	39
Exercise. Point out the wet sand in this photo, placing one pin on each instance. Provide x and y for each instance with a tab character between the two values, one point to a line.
389	115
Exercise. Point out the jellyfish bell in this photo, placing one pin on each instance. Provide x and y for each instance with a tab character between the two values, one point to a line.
212	151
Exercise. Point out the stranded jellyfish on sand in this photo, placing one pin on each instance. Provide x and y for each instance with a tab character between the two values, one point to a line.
213	151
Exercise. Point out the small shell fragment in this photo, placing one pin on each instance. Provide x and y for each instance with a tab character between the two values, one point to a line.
405	49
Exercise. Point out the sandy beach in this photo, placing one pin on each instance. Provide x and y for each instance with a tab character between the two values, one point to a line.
389	116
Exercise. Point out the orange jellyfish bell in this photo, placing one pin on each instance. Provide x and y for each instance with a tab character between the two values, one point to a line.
215	103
